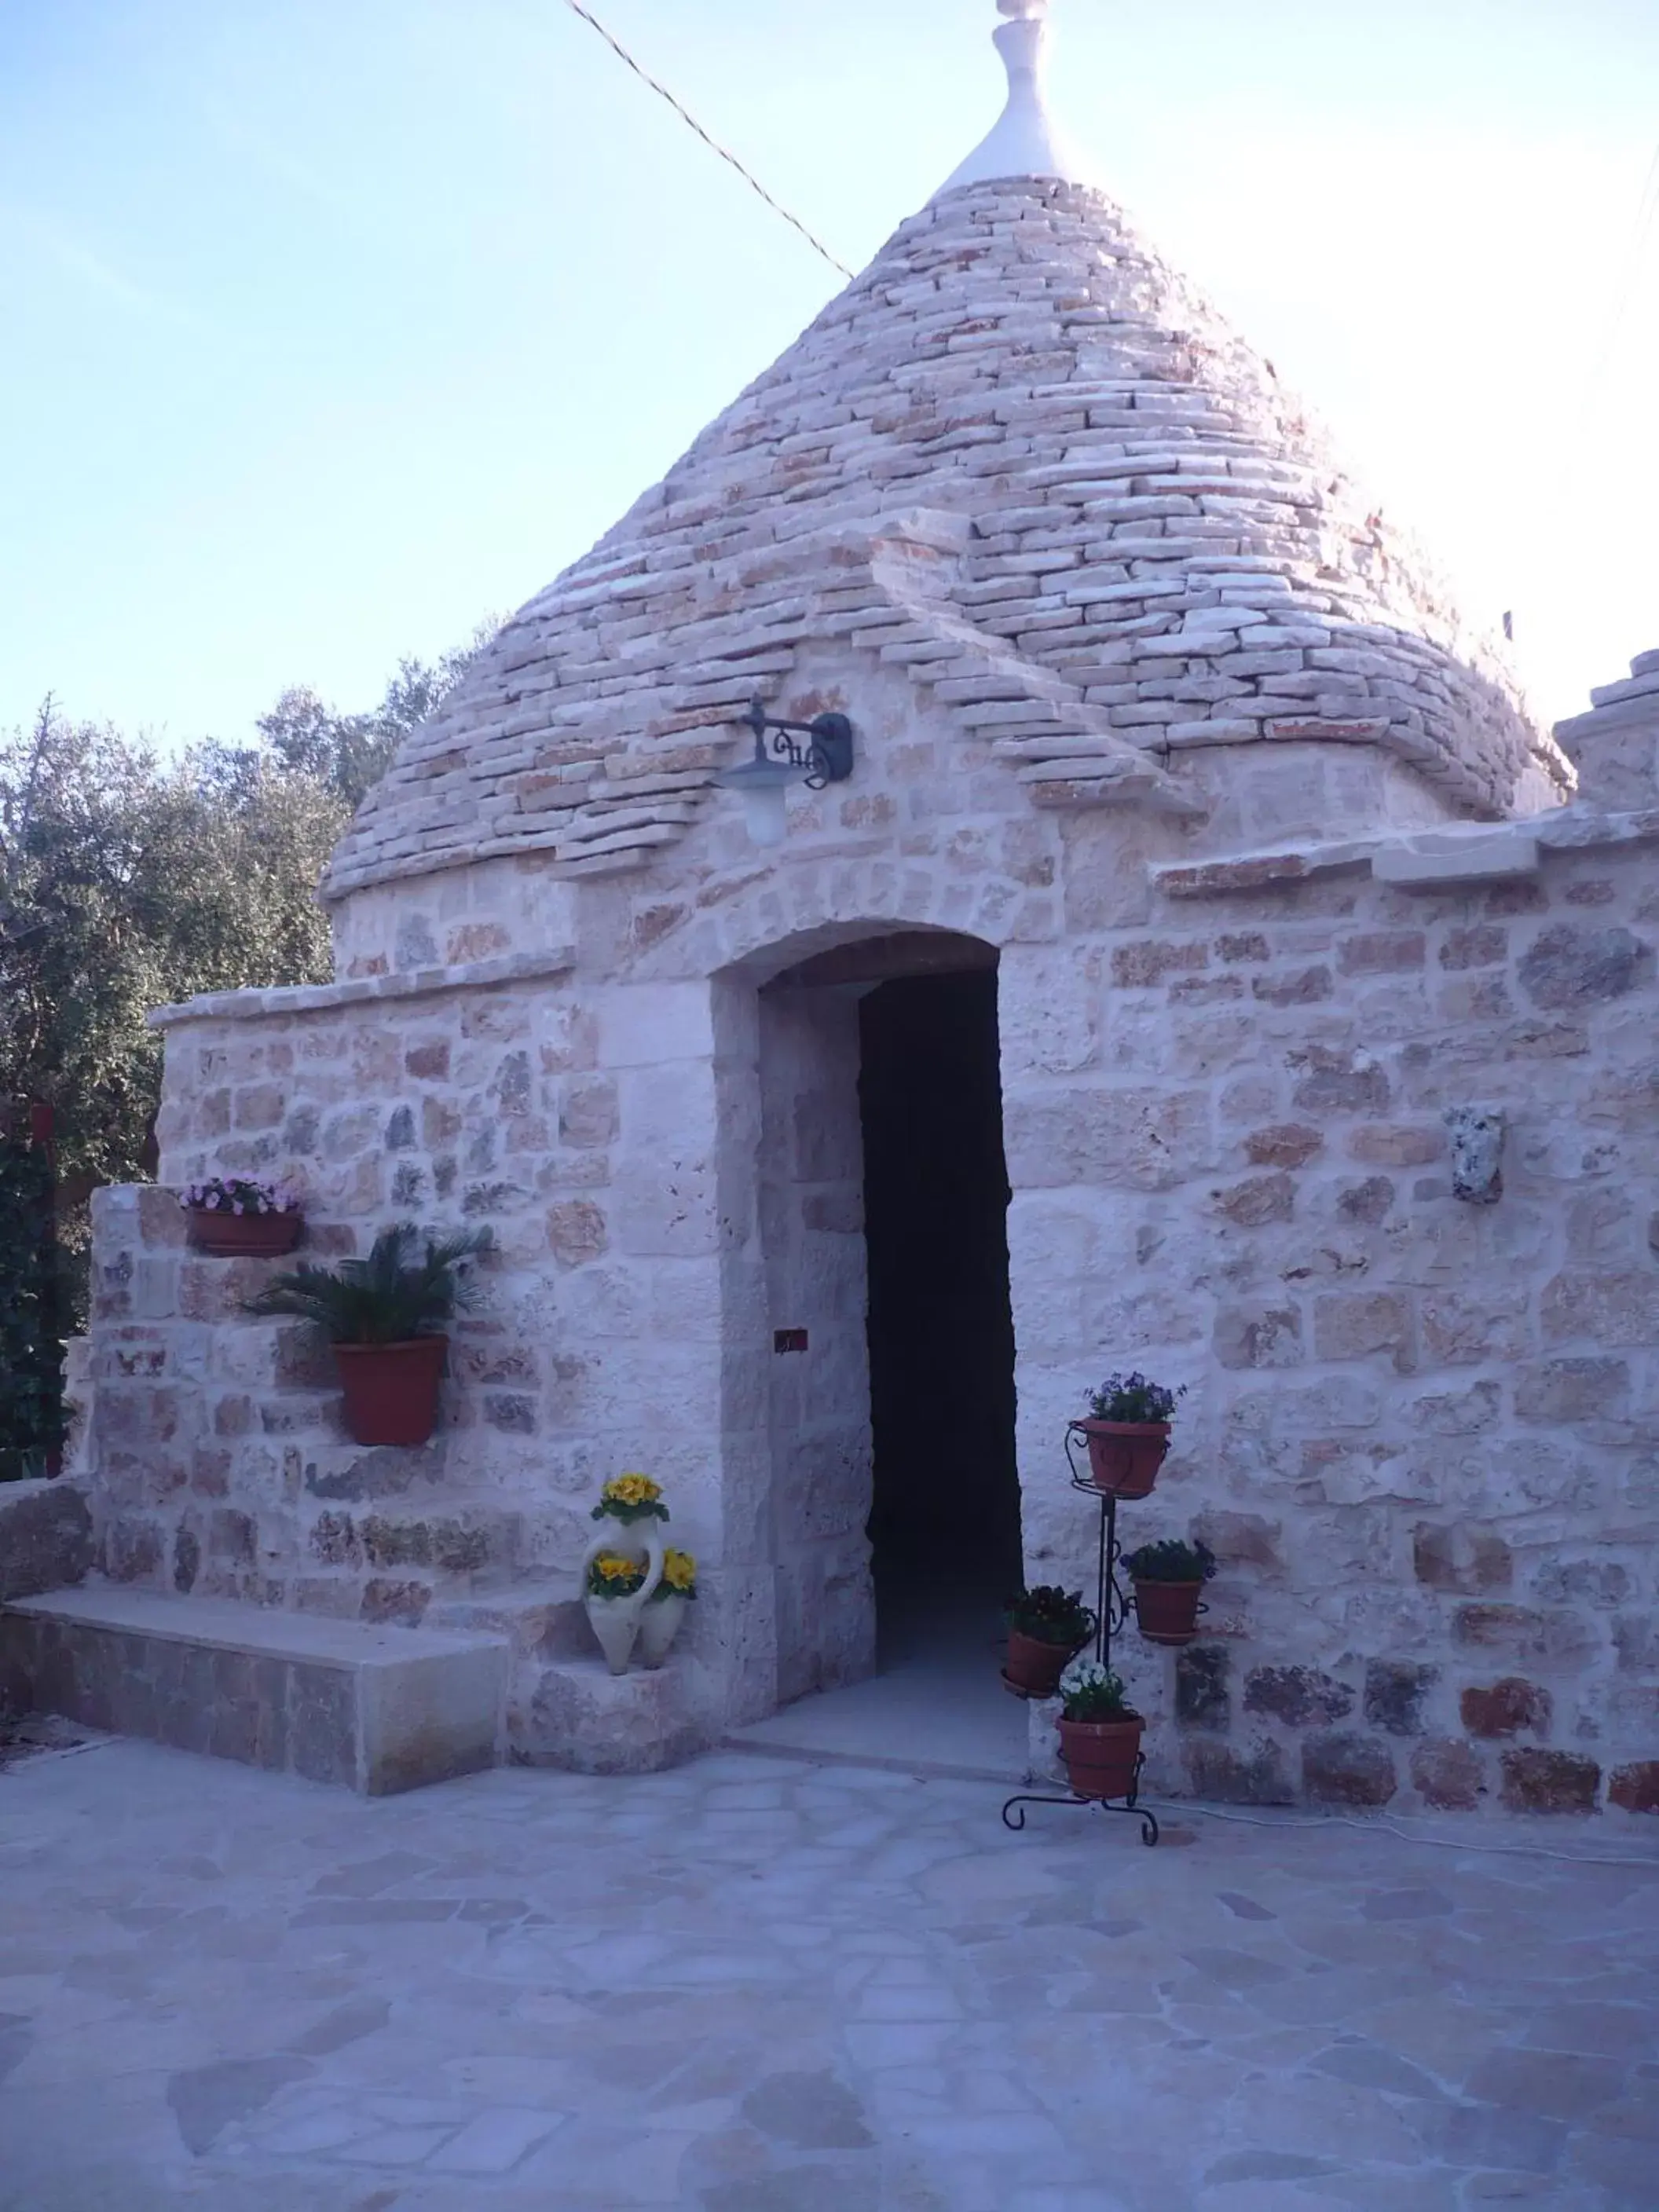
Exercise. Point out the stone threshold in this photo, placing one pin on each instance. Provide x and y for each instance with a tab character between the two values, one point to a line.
375	1708
919	1769
363	990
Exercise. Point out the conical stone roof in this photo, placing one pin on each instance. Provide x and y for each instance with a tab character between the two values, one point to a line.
1023	459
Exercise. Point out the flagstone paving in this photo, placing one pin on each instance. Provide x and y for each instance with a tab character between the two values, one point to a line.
756	1985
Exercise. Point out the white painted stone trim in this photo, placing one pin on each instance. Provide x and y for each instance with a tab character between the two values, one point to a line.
1427	861
1025	142
322	998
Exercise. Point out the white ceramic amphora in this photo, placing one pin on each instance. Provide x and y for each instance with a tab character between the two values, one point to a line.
616	1620
659	1624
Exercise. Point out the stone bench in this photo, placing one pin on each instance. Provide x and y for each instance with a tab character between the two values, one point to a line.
375	1708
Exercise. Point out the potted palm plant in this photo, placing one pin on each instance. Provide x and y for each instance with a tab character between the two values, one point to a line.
1099	1734
1046	1627
1128	1433
238	1218
384	1317
1169	1579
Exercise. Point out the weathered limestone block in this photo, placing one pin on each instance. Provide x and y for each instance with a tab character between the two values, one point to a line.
1464	1558
1615	747
1395	1693
1635	1788
46	1537
1449	1775
1203	1698
1347	1770
1508	1708
1566	1390
588	1721
1253	1775
1477	1150
1550	1781
1570	966
1299	1696
1514	1632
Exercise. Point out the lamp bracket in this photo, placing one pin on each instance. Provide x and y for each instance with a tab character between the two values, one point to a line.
826	756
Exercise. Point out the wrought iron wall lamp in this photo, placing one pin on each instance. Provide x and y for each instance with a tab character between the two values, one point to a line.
824	758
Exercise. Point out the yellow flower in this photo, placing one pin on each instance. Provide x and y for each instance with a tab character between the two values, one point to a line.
679	1570
633	1489
611	1568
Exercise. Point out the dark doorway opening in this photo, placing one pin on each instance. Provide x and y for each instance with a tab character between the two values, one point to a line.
945	1522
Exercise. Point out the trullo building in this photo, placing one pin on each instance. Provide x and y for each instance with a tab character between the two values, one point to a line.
1195	863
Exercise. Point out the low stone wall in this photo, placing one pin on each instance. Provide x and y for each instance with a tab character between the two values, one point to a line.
45	1544
46	1537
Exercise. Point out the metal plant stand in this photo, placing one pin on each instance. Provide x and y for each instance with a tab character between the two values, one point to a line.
1111	1611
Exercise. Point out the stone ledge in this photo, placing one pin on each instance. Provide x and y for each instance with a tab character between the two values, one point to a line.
1467	858
376	1710
1426	859
323	997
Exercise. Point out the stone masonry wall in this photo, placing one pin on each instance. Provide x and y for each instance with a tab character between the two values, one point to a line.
1422	1434
811	1227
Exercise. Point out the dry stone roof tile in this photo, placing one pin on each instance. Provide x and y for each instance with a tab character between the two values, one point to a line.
1121	527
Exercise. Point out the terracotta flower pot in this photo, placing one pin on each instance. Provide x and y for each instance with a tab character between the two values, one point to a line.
391	1390
1168	1612
224	1236
1034	1666
1125	1457
1102	1757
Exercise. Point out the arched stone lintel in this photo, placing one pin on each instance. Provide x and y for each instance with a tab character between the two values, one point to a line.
784	919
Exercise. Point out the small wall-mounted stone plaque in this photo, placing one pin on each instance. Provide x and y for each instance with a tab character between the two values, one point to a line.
1477	1143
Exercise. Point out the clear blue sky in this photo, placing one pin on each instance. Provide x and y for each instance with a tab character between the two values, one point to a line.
335	324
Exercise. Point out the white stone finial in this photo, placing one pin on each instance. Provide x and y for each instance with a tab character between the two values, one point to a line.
1025	142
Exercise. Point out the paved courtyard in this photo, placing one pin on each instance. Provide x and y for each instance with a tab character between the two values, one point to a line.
757	1985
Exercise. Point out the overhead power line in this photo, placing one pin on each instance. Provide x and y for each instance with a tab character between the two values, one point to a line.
1630	272
713	144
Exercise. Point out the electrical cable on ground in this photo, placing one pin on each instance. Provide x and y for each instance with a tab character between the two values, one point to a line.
1176	1808
713	144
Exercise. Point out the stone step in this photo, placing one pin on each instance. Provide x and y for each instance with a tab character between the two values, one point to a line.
540	1621
374	1709
572	1713
564	1708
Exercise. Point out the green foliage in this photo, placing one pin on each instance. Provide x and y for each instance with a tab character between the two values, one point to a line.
1171	1561
1132	1398
1051	1615
348	754
387	1299
31	1375
128	881
1091	1692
